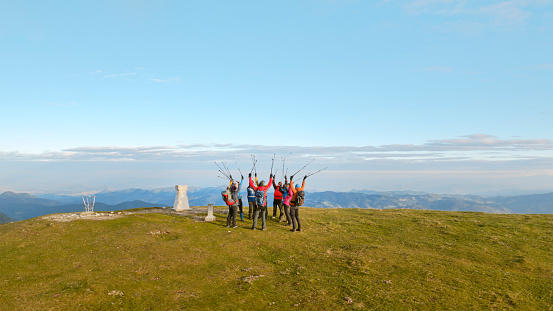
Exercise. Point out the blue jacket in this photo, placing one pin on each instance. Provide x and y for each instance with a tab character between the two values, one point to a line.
251	194
284	193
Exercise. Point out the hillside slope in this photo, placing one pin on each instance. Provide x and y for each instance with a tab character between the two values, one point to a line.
343	259
4	218
21	206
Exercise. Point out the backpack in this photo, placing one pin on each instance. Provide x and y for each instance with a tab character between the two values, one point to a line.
300	198
251	194
226	199
284	193
260	197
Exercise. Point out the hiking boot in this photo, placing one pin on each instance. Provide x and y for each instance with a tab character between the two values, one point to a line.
293	230
253	228
235	226
299	229
273	217
264	229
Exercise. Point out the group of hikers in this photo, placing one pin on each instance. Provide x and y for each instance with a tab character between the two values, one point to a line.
287	199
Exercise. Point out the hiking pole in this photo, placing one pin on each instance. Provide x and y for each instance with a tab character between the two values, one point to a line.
303	167
227	170
221	170
253	165
272	164
225	166
282	175
311	174
224	174
239	171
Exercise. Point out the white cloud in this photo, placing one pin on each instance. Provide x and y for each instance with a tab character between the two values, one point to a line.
175	79
545	66
476	147
500	13
119	75
442	69
468	163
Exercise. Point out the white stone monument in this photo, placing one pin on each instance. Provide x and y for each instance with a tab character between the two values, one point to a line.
210	216
181	199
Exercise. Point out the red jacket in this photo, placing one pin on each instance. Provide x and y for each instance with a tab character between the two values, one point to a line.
278	194
264	188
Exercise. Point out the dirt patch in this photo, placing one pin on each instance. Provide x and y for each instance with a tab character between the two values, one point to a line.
85	215
197	213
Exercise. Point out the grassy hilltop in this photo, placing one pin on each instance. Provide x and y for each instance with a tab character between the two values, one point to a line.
344	259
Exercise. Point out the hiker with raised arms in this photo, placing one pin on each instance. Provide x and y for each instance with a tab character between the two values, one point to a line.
228	201
277	201
260	201
233	202
298	199
251	201
286	198
240	204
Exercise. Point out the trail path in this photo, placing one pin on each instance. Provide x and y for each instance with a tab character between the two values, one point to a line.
197	212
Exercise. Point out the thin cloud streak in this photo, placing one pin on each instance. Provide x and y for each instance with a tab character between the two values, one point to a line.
510	12
119	75
479	147
465	164
167	80
546	66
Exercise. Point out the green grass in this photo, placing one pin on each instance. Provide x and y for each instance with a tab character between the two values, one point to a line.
381	259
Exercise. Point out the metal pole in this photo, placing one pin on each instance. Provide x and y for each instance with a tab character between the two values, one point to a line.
303	167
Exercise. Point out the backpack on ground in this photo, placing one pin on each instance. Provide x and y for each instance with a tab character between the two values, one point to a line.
260	197
300	198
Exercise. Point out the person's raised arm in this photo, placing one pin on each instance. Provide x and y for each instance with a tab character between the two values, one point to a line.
251	182
271	180
292	184
303	183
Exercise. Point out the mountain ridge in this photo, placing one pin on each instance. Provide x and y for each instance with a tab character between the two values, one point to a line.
20	206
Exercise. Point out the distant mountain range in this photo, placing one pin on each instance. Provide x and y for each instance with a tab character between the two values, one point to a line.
160	196
522	204
20	206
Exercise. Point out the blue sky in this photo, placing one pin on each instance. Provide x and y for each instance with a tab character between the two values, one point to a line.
436	95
